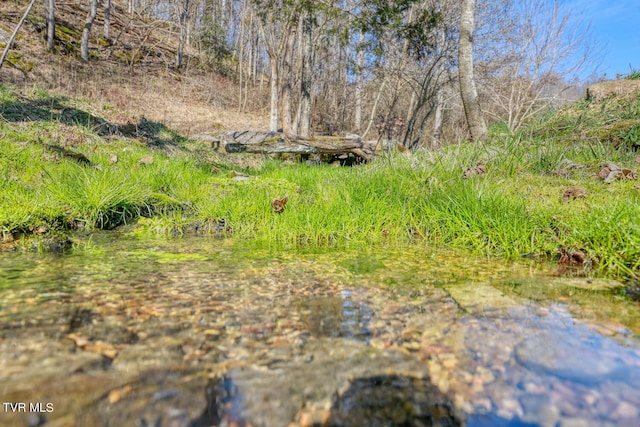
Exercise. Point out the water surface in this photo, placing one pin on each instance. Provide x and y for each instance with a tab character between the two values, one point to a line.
203	331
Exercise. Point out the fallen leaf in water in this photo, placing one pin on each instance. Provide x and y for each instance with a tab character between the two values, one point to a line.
574	258
278	205
79	340
118	394
478	169
573	192
103	348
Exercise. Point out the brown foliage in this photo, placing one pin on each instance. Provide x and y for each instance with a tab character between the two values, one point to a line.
278	205
479	169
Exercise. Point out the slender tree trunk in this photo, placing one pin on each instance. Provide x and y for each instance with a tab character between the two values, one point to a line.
240	43
468	92
306	81
358	93
184	17
107	19
49	7
273	119
15	32
84	45
374	108
437	119
287	76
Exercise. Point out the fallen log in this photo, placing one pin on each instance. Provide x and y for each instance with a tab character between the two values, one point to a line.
277	142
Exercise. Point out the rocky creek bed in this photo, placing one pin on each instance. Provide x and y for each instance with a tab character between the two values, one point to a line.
201	332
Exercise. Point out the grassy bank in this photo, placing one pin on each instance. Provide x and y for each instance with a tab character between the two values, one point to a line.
65	166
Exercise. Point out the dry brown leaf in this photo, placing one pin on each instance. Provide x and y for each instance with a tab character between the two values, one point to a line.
629	174
278	205
574	258
478	169
604	172
612	172
404	150
113	158
573	192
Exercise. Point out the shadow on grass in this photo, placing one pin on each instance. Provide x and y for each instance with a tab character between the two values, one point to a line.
56	109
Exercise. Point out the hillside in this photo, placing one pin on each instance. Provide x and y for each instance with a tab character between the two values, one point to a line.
134	72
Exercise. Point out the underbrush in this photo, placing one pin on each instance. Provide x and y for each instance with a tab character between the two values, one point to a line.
534	194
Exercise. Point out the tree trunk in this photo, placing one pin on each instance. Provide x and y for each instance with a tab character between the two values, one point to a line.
184	17
84	45
468	92
287	76
437	120
273	119
306	81
358	93
49	7
107	19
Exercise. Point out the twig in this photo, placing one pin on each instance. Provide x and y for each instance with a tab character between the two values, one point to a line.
15	32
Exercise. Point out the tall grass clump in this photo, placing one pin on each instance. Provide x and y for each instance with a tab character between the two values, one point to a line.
476	214
96	197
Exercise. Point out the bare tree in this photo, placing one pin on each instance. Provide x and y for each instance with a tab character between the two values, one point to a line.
107	19
49	8
84	44
468	91
277	26
539	54
306	73
183	18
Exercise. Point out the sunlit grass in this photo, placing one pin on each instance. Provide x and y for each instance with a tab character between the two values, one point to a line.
516	208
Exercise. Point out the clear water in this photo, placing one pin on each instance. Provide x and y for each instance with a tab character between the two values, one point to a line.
128	330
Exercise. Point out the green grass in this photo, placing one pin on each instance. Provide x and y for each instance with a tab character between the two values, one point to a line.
515	209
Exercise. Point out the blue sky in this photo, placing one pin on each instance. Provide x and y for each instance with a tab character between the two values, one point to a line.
614	26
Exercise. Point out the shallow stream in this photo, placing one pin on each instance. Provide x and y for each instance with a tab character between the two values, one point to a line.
203	331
